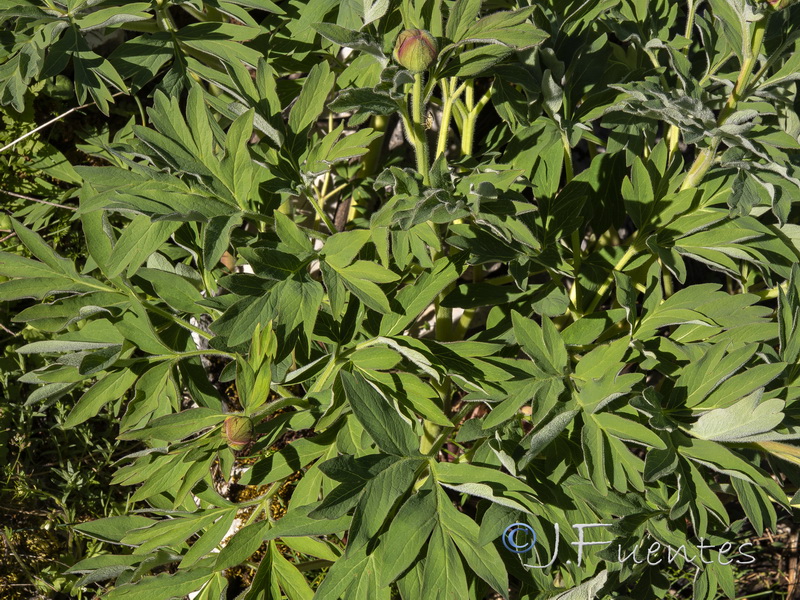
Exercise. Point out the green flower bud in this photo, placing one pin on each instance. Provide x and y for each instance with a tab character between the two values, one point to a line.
237	432
416	50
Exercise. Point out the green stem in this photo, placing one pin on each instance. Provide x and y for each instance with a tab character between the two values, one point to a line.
443	315
163	17
690	14
700	167
319	209
176	320
468	315
706	157
621	263
330	371
370	162
574	294
421	143
190	354
472	110
742	83
668	288
439	442
449	96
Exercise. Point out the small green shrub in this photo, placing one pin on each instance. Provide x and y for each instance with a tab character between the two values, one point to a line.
547	277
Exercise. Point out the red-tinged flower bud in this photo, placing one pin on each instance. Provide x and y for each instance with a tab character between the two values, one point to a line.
237	432
416	50
778	4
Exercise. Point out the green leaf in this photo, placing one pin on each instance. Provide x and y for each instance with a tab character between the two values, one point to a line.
407	534
505	489
242	545
484	560
418	296
638	194
377	415
41	250
113	529
173	289
543	344
210	539
341	248
290	578
628	430
443	574
355	575
297	523
139	240
462	15
506	27
112	387
163	586
177	426
311	100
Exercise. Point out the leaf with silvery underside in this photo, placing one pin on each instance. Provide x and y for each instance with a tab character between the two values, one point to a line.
747	420
587	590
545	433
364	100
372	11
493	485
357	40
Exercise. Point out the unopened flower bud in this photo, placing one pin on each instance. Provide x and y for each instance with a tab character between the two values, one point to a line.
416	50
237	432
778	4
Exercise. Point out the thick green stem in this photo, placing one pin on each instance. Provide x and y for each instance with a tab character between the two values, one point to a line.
330	371
449	95
164	19
574	294
370	162
420	141
467	317
759	29
706	156
690	15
